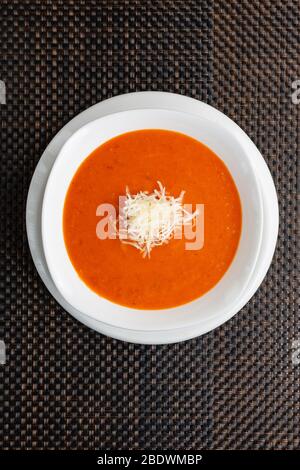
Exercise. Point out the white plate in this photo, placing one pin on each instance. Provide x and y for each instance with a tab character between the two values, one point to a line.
134	101
229	144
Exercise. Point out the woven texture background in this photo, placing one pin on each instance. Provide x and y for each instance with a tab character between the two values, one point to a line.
67	387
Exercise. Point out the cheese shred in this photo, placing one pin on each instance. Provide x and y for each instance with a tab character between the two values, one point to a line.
152	219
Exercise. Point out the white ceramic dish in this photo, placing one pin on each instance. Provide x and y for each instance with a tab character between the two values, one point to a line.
135	101
223	298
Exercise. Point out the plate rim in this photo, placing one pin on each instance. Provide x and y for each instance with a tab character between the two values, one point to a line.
137	100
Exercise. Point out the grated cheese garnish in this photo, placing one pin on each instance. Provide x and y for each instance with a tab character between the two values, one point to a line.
148	219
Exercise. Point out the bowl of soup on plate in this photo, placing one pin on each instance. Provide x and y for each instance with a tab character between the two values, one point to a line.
152	219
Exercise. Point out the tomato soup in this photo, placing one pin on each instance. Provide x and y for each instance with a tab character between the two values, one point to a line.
172	275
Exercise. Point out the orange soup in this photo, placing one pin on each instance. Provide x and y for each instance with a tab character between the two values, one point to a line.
172	275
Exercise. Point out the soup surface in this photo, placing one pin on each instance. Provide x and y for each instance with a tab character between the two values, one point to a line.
172	275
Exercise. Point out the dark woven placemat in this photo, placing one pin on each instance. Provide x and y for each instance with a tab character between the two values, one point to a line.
64	386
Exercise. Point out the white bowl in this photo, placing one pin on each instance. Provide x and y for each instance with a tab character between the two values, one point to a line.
230	144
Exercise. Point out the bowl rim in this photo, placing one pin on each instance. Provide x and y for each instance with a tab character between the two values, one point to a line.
235	129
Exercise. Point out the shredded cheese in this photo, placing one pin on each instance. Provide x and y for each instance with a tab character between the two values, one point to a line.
148	219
